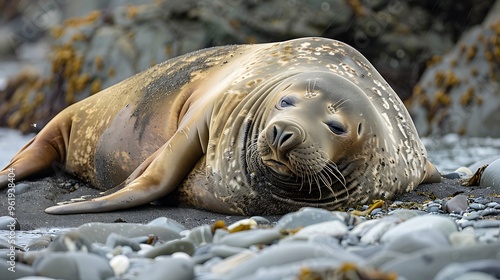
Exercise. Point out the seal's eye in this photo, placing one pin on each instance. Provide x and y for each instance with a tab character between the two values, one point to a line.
336	128
287	102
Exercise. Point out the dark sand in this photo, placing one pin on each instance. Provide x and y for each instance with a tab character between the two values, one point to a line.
46	192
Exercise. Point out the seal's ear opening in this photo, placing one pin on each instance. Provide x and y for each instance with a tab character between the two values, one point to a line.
360	129
432	175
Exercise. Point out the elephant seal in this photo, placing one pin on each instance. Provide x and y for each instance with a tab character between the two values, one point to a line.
245	129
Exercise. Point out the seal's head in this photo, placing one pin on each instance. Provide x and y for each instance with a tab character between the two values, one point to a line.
316	122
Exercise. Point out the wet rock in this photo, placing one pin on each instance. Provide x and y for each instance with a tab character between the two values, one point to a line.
305	217
169	248
73	266
98	232
427	263
9	223
175	268
248	238
488	269
441	224
457	204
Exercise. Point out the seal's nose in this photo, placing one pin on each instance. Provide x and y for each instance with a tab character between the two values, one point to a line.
283	136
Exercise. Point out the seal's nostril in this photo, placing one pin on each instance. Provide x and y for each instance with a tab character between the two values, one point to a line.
284	137
275	133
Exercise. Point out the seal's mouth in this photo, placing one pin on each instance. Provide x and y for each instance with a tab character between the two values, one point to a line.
277	167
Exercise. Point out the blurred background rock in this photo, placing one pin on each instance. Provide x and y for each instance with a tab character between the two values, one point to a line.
440	56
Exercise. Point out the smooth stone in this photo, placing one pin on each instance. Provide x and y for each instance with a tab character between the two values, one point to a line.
248	238
225	251
114	240
475	276
334	228
378	230
417	240
167	223
487	224
433	209
490	211
366	252
462	238
201	235
454	270
20	270
457	204
261	220
35	278
318	266
40	243
98	232
425	264
305	217
21	188
74	265
481	200
170	247
472	216
443	224
281	254
168	268
491	176
9	223
405	214
495	205
70	242
477	206
120	264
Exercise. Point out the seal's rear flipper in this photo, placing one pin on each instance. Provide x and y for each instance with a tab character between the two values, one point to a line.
432	175
38	156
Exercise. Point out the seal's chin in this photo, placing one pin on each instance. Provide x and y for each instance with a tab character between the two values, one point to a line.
278	167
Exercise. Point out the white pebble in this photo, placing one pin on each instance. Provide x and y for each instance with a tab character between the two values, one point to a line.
181	255
120	264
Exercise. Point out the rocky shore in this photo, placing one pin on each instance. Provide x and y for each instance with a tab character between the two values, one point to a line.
438	231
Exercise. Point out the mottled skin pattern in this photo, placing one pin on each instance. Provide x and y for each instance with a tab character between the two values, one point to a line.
249	129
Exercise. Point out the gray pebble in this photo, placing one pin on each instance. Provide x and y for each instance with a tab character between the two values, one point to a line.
427	263
169	268
487	224
477	206
171	247
98	232
114	240
250	237
70	242
225	251
201	235
9	223
490	212
454	270
457	204
283	254
167	223
495	205
417	240
305	217
481	200
443	224
20	270
334	228
472	216
21	188
40	243
77	265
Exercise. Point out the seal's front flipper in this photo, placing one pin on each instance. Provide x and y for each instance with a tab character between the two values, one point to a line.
432	175
159	175
38	156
